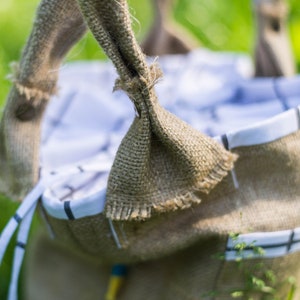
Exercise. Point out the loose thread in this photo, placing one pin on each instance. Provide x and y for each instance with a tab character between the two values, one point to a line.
29	92
114	234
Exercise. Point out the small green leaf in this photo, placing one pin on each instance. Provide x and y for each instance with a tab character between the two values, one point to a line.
237	294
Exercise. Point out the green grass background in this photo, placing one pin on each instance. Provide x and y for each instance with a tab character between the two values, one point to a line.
217	24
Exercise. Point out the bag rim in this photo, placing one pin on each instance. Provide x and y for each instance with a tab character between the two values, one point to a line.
262	132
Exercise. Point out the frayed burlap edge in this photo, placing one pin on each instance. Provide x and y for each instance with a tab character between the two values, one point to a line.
185	199
29	92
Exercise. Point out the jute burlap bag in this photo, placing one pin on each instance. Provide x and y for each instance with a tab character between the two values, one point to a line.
162	191
154	130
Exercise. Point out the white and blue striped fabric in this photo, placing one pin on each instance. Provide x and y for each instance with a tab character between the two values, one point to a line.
211	91
263	244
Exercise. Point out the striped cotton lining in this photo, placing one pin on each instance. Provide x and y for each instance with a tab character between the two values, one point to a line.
93	201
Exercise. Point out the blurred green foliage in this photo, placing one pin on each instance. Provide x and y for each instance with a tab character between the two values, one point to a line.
216	24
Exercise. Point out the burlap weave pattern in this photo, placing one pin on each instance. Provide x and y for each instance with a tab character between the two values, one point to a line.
187	242
57	27
256	206
161	161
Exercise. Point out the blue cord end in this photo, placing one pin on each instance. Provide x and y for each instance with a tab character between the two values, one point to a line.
119	270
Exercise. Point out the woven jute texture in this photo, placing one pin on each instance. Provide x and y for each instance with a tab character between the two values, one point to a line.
57	27
162	162
267	200
195	273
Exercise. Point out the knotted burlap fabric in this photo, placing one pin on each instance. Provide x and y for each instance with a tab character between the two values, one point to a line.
162	161
57	27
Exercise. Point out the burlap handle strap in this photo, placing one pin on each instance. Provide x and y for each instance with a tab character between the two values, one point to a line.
162	163
58	25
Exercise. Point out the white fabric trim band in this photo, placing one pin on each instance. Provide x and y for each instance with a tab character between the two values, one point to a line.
87	203
264	132
28	203
93	203
19	253
75	208
263	244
